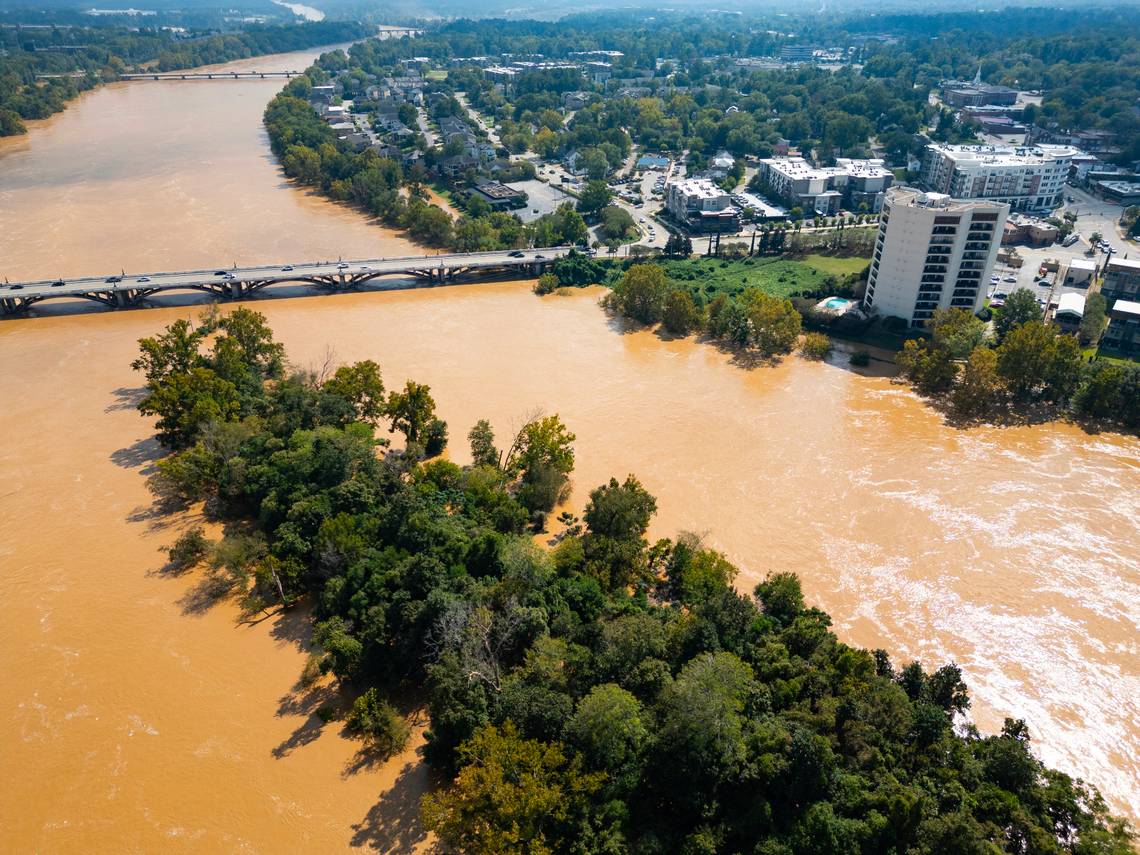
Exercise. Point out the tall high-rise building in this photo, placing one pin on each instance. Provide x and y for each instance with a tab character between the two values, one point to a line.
932	252
1028	178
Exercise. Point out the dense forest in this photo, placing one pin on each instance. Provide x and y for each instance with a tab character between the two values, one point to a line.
607	695
87	56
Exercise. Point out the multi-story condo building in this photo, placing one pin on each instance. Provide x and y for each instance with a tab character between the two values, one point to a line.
1123	333
824	190
1121	280
932	252
1027	178
702	206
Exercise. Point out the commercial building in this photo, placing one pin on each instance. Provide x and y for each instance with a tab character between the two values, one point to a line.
1123	333
1121	280
853	184
932	252
701	206
499	196
1029	230
1027	178
1079	273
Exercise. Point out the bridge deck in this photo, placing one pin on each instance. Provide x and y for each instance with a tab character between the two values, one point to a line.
130	289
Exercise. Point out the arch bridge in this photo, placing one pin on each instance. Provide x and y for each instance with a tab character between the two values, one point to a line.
130	290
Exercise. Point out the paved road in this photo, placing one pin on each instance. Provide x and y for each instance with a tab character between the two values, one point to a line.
276	272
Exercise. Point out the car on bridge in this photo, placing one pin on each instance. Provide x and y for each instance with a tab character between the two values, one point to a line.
58	283
342	266
288	268
113	279
518	253
15	287
220	273
143	279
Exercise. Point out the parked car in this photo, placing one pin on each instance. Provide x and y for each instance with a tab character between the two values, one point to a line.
1009	279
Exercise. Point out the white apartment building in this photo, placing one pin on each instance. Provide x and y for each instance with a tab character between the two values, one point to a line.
826	189
932	252
702	206
1027	178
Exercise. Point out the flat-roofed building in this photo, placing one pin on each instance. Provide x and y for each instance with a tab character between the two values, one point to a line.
702	206
1121	280
932	252
1027	178
1079	273
499	196
1123	333
825	189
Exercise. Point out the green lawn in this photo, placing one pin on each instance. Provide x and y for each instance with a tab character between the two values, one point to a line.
776	276
436	74
836	266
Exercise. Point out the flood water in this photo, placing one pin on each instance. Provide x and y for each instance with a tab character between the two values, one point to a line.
138	716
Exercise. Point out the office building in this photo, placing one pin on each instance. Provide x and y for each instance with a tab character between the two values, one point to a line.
932	252
1027	178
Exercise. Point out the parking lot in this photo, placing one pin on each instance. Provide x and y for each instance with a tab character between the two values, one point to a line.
542	198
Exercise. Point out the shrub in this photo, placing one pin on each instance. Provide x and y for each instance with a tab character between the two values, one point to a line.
860	358
815	346
190	549
547	283
378	723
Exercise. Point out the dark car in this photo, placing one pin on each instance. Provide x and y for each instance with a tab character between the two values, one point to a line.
113	279
518	253
219	273
16	287
58	283
540	255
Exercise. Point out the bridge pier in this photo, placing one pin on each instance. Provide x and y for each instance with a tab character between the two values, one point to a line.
10	307
122	299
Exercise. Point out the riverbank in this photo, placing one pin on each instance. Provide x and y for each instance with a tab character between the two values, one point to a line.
915	537
84	70
994	548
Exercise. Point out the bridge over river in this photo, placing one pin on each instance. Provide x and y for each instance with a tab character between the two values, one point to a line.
123	290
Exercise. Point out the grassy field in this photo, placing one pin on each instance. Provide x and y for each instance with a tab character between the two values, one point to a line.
436	74
836	266
776	276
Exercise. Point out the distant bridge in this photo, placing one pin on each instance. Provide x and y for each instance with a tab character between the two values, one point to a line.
121	290
207	75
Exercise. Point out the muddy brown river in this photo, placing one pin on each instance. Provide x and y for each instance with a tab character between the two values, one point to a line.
138	714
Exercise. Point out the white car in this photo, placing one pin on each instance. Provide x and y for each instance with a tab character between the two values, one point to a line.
342	266
1009	279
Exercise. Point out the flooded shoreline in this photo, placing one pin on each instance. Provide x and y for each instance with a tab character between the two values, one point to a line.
141	717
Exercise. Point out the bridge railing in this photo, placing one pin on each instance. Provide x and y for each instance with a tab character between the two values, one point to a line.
236	272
